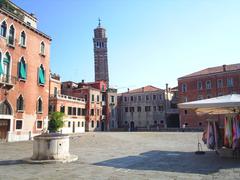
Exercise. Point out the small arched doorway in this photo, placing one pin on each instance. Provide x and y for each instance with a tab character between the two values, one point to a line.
132	126
5	118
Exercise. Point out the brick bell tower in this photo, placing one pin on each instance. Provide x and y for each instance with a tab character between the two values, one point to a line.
100	54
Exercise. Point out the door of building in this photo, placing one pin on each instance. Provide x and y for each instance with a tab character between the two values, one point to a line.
102	126
4	128
132	126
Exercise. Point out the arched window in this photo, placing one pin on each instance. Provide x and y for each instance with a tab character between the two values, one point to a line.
42	48
11	35
41	75
4	29
22	69
23	39
39	105
5	108
6	67
20	103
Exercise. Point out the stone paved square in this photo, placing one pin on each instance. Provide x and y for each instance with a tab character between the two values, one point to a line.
123	155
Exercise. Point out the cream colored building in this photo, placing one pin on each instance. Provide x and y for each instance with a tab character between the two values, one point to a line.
142	108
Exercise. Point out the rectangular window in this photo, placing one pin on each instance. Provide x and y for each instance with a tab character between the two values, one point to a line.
147	108
97	98
92	112
131	98
219	83
69	123
74	111
147	97
139	109
92	97
154	97
84	112
62	109
131	109
112	99
69	110
82	124
78	123
55	91
125	99
230	82
199	85
79	111
208	84
126	109
139	98
154	108
160	96
184	88
39	124
19	124
160	108
85	97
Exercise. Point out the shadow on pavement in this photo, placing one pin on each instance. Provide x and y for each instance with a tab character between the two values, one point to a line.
11	162
173	161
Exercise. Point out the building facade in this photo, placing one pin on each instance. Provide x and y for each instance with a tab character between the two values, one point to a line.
74	108
24	72
92	96
100	54
101	103
142	108
207	83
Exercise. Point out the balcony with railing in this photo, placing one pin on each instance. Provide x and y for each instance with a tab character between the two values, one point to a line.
10	8
7	82
66	97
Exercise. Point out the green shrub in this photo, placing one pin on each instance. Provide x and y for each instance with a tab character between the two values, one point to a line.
56	121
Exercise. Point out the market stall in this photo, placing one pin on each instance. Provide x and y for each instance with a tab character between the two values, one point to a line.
225	140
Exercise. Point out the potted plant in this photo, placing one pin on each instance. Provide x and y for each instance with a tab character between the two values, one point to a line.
56	122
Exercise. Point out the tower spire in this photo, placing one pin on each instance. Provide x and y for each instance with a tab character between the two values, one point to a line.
99	22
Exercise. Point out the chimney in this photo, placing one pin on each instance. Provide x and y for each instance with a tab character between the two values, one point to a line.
128	90
142	89
82	80
224	68
167	87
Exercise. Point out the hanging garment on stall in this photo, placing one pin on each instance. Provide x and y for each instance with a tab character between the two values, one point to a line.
236	133
228	132
211	140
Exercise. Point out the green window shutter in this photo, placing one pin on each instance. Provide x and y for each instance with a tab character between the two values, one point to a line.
41	76
1	68
22	70
6	60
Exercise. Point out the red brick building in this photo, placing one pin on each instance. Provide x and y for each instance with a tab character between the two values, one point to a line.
207	83
24	72
101	103
92	97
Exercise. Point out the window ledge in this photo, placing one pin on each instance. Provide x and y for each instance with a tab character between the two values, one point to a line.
11	45
41	54
21	79
23	46
41	84
20	111
39	112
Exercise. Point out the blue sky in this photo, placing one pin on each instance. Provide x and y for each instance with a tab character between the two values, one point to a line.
150	42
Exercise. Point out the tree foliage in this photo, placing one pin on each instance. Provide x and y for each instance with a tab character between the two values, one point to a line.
56	121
